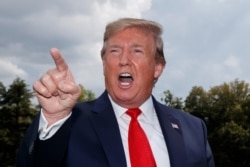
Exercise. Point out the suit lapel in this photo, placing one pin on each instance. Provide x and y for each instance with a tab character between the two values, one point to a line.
172	133
106	125
108	130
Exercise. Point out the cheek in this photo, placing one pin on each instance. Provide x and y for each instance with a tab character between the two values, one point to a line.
108	68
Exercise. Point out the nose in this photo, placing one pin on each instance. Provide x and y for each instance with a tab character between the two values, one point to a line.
125	58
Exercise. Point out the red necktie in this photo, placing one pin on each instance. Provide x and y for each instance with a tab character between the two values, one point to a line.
139	148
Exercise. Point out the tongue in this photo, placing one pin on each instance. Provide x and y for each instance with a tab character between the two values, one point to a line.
126	79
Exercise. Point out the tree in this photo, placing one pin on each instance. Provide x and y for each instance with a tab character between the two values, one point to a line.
172	101
86	95
196	103
229	123
16	113
224	108
226	111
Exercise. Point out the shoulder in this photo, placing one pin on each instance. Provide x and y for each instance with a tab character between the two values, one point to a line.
186	119
182	115
93	107
100	102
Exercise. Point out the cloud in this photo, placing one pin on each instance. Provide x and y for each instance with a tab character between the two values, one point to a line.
29	29
206	42
232	62
10	70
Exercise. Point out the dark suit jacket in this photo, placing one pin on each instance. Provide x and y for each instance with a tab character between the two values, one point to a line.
91	138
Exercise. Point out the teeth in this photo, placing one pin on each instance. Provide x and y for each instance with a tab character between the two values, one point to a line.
124	83
125	75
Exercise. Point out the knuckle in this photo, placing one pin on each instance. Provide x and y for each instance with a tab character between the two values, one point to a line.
35	85
45	78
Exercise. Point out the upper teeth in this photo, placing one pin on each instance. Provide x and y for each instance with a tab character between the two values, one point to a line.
125	75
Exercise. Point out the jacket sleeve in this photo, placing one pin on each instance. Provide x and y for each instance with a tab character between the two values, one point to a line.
209	154
34	152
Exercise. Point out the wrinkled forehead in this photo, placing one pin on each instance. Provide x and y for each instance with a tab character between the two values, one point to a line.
108	34
132	38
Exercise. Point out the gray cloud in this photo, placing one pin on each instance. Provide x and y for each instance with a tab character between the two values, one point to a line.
206	42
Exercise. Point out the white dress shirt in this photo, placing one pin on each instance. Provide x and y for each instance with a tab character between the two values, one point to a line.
46	132
147	119
150	124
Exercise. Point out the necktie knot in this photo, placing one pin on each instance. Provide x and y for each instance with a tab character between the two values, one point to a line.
133	112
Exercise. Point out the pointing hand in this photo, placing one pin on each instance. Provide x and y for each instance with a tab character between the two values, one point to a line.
56	90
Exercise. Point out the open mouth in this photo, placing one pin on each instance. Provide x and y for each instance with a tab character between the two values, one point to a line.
125	79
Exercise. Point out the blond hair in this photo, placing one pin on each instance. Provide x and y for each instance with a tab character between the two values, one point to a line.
151	27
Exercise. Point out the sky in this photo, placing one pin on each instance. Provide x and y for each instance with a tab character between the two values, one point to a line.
206	42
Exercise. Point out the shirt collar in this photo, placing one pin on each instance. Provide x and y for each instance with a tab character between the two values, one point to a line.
147	109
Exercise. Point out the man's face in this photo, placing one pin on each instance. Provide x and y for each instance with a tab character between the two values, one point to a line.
129	67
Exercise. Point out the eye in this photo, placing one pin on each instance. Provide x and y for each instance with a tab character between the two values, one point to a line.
115	51
138	51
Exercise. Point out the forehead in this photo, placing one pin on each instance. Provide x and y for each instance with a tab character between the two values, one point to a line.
133	36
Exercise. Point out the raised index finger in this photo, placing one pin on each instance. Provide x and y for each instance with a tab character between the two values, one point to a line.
60	63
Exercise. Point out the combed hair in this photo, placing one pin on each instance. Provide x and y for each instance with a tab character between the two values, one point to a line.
150	27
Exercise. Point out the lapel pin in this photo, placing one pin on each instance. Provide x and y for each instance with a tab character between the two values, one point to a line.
175	126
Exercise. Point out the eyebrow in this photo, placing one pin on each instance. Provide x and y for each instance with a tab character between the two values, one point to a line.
134	45
114	46
137	46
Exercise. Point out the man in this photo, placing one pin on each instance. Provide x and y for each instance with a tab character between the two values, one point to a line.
100	133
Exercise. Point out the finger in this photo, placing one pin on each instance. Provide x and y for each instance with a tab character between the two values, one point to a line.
60	63
49	84
70	88
40	89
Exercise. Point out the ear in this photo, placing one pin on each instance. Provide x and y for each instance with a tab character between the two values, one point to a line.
158	70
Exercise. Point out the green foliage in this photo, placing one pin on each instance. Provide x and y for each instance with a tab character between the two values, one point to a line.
86	95
196	103
226	110
16	113
172	101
